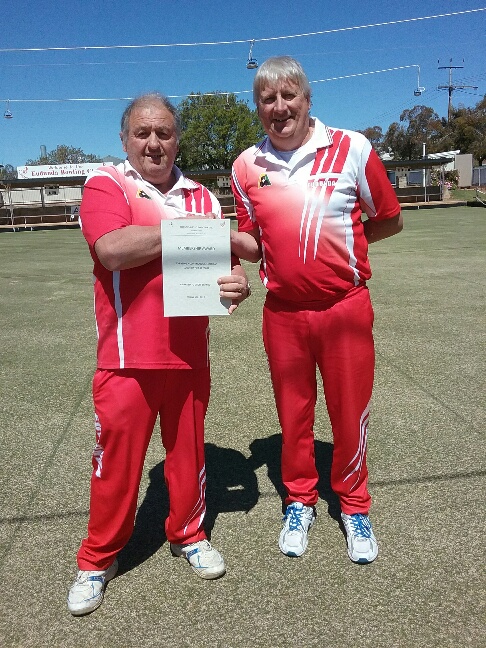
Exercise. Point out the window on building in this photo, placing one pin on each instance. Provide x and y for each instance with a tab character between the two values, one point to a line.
415	177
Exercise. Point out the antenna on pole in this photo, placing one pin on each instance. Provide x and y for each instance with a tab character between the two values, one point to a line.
451	87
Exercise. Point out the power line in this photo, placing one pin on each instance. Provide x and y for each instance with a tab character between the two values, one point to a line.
208	94
247	40
211	59
111	63
348	76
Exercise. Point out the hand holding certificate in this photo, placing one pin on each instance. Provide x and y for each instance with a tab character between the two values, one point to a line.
195	253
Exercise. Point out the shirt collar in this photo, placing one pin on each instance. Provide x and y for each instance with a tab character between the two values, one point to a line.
181	181
321	138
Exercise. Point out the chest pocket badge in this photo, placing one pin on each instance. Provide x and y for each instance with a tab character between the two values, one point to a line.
264	181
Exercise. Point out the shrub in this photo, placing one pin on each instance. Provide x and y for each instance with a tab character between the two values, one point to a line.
449	179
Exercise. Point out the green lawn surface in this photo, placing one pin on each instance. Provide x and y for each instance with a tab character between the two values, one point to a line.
426	459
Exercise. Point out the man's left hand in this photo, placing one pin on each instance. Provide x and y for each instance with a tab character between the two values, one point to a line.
234	287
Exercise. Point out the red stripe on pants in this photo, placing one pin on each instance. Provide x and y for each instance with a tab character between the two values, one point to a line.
338	340
127	403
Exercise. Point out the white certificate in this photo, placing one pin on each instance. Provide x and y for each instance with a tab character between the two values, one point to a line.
195	253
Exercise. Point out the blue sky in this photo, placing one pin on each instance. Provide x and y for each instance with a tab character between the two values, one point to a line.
355	102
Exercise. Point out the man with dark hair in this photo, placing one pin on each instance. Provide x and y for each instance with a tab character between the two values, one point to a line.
148	365
300	194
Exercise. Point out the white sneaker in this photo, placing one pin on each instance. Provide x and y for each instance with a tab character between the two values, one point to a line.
86	593
362	544
203	558
297	520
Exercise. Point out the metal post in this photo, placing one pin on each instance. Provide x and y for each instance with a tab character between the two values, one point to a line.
424	173
8	195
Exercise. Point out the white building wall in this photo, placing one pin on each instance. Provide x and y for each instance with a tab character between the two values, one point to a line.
464	165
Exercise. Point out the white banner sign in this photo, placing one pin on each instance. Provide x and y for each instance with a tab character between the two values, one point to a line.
58	170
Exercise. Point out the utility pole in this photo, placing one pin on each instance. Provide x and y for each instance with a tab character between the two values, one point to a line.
451	87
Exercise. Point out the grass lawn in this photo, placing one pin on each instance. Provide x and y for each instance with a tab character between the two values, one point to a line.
426	459
463	194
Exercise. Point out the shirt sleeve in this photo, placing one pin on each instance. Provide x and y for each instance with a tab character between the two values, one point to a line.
376	193
104	208
244	207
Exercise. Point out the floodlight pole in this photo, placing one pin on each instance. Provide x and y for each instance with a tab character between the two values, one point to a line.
451	87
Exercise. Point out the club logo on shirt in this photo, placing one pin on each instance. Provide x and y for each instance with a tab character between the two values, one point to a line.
264	181
141	194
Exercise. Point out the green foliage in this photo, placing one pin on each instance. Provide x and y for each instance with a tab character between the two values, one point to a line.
417	126
375	135
215	130
63	154
466	132
8	172
468	126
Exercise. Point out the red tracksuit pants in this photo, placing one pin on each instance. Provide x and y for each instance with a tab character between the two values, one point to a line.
339	341
127	404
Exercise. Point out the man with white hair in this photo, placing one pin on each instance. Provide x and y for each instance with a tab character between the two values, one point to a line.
300	197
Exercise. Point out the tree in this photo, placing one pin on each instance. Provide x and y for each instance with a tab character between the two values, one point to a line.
418	126
393	140
465	131
468	130
8	172
215	130
375	136
63	154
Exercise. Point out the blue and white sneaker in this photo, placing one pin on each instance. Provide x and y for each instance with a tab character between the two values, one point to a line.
362	544
297	521
87	591
203	558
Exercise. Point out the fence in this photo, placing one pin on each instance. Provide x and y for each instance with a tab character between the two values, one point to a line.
23	207
479	176
50	205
